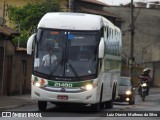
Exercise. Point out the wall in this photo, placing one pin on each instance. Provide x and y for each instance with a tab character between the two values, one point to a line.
15	69
21	74
156	51
9	51
147	30
146	41
1	69
156	74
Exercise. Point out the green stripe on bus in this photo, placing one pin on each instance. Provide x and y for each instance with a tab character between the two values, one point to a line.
73	84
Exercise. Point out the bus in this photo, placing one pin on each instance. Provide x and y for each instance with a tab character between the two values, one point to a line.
86	64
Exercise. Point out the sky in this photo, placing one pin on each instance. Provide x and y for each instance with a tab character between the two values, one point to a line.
117	2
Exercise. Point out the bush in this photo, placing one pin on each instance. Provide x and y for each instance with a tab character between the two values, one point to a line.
26	18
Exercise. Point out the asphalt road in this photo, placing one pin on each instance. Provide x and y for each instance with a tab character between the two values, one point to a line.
151	104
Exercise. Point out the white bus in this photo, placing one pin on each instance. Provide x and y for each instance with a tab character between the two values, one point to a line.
86	61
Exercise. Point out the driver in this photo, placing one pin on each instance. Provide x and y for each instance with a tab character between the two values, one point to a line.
49	59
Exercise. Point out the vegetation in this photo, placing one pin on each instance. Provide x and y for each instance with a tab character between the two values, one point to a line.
27	17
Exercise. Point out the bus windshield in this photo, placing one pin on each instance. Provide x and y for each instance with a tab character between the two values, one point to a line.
66	53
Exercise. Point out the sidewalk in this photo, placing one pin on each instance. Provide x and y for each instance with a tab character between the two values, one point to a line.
9	102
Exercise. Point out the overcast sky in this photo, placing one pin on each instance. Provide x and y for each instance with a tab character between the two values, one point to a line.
117	2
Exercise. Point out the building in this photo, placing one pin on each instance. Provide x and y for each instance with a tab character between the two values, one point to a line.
15	65
95	7
146	37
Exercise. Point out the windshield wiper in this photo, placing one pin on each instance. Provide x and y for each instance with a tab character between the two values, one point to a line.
72	68
60	62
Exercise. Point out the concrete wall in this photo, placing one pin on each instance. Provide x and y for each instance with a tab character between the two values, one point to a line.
15	69
156	51
156	74
1	69
21	74
147	29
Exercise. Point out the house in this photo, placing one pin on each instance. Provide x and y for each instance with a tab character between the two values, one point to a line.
15	65
96	7
146	37
85	6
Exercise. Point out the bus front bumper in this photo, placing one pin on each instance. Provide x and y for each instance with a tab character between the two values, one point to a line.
85	97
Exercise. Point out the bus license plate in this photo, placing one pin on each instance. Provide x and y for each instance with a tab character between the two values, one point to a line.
62	97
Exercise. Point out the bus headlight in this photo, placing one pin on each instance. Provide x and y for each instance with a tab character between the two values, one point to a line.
88	87
128	92
37	84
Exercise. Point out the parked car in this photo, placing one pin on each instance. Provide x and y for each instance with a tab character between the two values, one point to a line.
126	91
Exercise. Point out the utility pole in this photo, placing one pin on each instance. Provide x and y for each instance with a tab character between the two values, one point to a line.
4	9
132	40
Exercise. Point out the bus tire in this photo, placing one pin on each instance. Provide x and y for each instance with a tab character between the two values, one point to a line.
114	93
95	107
102	106
42	105
109	104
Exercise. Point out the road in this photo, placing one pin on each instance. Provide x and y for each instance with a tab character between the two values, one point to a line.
152	103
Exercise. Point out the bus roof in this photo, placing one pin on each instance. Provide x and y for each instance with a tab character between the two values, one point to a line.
71	21
110	24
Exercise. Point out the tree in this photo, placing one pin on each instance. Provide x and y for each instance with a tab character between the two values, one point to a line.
26	18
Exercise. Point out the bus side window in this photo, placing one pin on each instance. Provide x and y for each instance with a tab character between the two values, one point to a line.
107	32
102	32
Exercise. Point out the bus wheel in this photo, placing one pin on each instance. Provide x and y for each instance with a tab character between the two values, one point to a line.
109	104
95	107
42	105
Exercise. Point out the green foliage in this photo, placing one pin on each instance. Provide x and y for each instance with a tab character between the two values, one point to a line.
22	39
27	17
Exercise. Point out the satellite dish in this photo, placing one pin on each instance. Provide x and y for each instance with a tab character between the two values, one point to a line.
2	21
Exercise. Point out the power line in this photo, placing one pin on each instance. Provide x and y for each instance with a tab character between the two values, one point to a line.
151	44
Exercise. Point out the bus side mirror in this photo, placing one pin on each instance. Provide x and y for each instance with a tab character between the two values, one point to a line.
30	43
101	48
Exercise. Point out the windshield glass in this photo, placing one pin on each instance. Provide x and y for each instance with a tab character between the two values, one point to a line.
125	81
66	53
